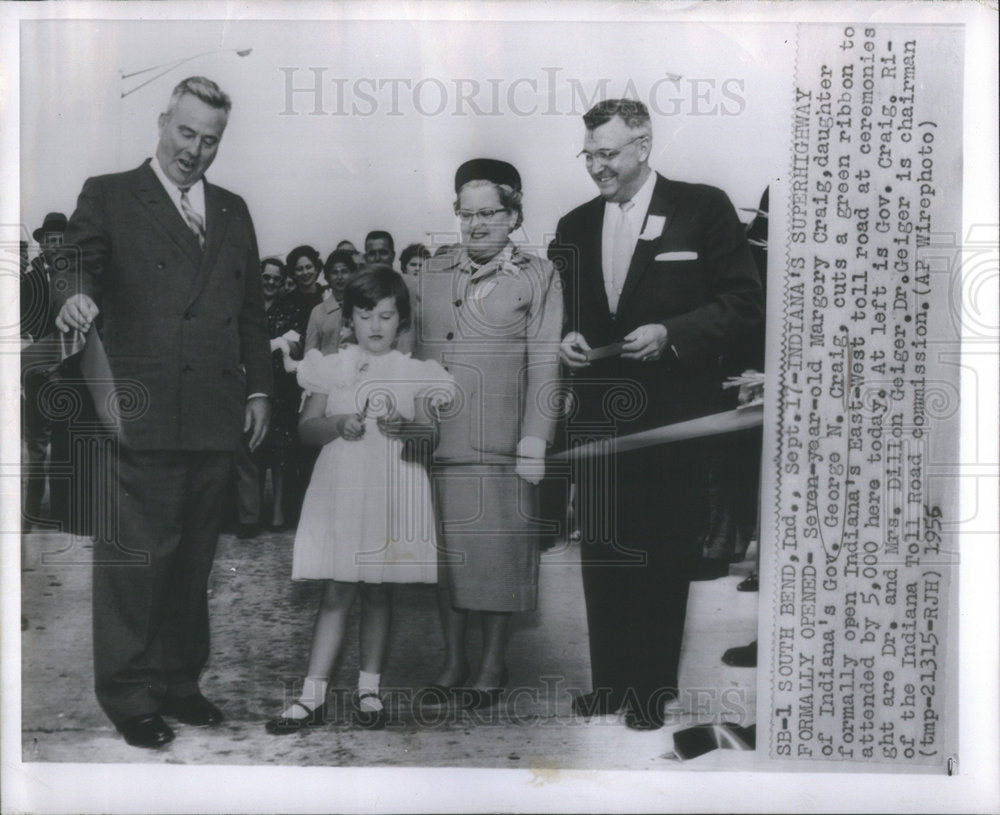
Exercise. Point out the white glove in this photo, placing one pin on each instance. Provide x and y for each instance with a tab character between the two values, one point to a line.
531	459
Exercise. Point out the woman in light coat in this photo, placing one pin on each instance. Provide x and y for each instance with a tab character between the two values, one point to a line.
492	315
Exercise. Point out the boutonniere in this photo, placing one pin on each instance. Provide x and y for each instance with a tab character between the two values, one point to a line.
654	227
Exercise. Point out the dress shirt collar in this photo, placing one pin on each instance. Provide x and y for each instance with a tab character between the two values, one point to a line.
196	192
641	199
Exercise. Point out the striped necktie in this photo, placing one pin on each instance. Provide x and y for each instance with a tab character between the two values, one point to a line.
194	220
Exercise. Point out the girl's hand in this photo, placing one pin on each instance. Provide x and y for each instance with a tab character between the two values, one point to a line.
391	424
350	427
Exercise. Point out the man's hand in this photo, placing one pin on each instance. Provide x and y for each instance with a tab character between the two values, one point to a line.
257	420
573	351
77	313
646	343
531	459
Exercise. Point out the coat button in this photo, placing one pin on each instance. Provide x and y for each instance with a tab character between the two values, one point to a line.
449	336
237	274
161	265
187	369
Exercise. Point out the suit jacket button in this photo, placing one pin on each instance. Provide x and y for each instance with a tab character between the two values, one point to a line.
161	265
449	336
237	274
187	369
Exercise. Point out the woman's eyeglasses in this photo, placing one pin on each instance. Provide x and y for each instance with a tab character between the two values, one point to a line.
466	216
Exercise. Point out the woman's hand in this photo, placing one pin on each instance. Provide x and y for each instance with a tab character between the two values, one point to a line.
531	459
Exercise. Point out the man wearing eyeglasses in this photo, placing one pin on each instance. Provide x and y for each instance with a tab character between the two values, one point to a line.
659	283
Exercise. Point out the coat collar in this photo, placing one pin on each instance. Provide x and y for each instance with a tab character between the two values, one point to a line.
151	194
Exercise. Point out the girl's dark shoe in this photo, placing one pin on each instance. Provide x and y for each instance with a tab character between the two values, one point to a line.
286	725
368	719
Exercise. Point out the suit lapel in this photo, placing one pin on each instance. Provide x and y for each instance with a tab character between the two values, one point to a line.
217	217
591	265
154	198
662	205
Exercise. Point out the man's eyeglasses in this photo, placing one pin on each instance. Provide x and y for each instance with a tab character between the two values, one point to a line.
606	156
466	216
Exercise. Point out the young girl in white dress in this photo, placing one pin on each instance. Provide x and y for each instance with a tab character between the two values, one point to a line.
367	520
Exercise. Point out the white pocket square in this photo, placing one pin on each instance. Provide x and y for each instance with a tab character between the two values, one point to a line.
654	227
677	256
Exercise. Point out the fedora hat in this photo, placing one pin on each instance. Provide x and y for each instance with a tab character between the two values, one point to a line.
54	222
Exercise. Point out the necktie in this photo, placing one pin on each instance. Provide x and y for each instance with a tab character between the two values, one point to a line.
194	220
622	247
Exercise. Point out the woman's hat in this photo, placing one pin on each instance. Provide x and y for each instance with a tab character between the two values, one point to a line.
54	222
487	169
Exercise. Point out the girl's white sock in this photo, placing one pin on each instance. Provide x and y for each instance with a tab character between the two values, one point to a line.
369	683
313	695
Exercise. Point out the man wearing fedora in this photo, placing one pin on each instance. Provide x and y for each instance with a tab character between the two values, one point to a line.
40	354
165	264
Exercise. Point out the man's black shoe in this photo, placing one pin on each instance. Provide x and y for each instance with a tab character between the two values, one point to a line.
751	583
742	656
194	709
596	704
640	720
147	730
707	568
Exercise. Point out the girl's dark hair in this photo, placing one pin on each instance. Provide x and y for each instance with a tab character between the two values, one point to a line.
376	282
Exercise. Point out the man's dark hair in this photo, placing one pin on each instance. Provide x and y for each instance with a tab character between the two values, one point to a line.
634	113
377	234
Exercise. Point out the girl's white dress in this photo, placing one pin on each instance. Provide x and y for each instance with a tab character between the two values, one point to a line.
367	515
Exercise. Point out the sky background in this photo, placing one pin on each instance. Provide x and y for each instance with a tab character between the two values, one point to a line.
369	160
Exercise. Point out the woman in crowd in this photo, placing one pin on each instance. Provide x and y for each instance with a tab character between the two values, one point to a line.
413	259
495	322
323	330
305	266
286	344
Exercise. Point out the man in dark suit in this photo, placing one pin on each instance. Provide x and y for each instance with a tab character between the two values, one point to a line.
664	269
166	265
39	357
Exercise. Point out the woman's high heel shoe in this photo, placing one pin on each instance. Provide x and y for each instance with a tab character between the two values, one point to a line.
483	698
435	695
